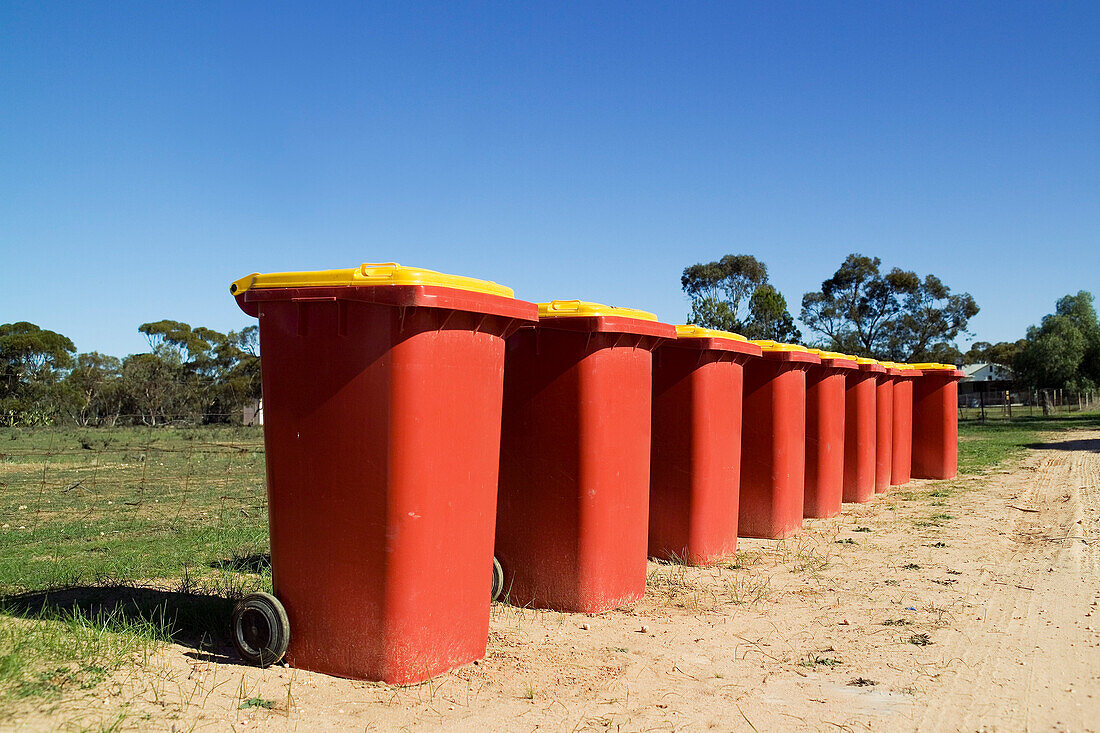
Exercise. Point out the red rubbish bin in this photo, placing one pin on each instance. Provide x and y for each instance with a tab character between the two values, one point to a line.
903	426
382	398
860	407
695	469
884	425
825	433
573	504
773	441
936	421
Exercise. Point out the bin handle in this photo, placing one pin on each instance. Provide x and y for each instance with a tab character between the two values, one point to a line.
368	269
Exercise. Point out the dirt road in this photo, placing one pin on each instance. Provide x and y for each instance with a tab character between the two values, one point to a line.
958	605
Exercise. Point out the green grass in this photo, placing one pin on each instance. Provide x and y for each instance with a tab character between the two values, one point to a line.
134	504
71	649
983	445
113	541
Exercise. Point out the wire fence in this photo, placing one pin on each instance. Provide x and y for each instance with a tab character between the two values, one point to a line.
981	405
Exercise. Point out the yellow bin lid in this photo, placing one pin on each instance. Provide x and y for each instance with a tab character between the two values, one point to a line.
367	274
831	354
584	309
698	332
776	346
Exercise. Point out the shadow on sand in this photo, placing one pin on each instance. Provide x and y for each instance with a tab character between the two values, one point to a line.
1091	445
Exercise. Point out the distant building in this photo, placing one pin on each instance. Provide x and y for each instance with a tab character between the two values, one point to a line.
254	413
985	383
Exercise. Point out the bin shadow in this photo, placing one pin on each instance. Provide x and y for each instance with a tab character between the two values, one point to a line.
198	621
255	564
1091	445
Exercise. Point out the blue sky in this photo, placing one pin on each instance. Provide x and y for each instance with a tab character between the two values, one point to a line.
150	153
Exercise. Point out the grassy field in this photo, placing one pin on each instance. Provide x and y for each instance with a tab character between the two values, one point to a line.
115	542
985	444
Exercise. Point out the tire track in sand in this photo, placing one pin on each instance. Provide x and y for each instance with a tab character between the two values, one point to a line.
1028	659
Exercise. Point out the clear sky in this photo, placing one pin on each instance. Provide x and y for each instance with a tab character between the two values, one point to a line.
150	153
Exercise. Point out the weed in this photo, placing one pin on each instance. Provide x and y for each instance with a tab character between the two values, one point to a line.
862	682
675	584
846	541
938	545
920	639
257	702
529	692
746	559
862	529
935	520
813	660
897	622
742	589
809	561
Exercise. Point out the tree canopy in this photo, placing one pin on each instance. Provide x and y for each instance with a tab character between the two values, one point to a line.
895	315
1063	351
32	360
193	373
733	294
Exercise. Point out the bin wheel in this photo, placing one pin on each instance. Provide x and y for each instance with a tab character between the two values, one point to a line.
498	579
261	629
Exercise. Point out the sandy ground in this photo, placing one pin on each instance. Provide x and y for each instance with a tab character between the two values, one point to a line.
975	611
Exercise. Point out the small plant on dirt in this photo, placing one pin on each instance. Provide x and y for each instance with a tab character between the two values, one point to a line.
935	520
847	541
862	529
910	566
257	702
862	682
745	559
940	493
813	660
938	545
897	622
809	561
920	639
529	692
678	586
740	590
890	582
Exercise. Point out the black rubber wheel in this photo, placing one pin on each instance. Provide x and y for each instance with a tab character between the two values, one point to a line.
498	579
261	629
